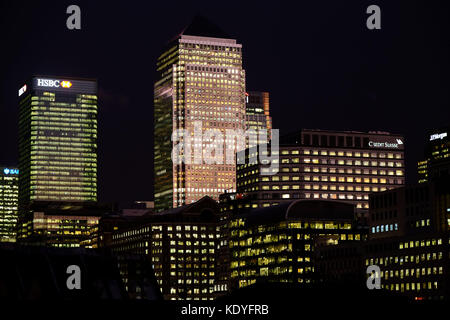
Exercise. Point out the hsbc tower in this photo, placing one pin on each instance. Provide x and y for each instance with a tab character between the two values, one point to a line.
57	142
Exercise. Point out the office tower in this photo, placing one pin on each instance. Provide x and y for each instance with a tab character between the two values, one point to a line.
437	156
57	158
257	112
187	246
9	195
277	243
200	80
326	165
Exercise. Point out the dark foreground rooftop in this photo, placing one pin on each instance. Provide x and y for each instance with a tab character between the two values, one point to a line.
39	273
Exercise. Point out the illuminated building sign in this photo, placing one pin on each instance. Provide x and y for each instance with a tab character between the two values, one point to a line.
53	83
66	84
438	136
10	171
22	90
390	145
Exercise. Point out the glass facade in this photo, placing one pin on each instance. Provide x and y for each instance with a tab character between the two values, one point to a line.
276	245
9	195
58	162
58	141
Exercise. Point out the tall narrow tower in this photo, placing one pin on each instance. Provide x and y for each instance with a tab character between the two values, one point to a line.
200	79
9	192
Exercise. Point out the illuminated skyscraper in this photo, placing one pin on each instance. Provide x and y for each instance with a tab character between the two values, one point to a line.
437	156
257	113
9	194
199	80
57	151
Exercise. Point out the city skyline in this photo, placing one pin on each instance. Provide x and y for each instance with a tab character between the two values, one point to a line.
134	143
351	81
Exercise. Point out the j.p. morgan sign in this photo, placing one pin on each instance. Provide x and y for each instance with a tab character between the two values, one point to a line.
386	144
438	136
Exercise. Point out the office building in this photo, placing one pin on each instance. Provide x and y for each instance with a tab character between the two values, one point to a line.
9	195
200	80
409	239
57	158
187	247
326	165
257	113
436	161
277	243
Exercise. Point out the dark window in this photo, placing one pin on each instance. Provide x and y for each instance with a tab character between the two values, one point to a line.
357	142
307	139
323	141
333	141
366	142
349	141
341	141
315	140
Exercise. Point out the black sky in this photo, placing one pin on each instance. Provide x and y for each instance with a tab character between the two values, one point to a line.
322	66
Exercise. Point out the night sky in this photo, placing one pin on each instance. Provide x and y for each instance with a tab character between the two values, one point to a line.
322	66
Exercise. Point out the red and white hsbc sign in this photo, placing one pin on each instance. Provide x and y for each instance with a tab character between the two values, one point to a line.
50	83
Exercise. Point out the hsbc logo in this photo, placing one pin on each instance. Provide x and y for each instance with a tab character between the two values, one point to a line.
53	83
66	84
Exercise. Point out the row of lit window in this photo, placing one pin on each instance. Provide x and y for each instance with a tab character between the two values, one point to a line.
346	162
385	228
346	154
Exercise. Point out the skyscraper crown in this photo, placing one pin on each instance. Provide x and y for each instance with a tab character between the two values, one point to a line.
200	26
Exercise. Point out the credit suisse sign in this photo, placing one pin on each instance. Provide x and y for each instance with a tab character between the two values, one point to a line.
397	144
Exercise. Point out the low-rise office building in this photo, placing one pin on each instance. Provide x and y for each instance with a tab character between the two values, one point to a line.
324	165
61	224
277	243
409	239
187	247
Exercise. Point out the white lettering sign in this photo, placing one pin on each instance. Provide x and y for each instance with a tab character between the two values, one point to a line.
438	136
22	90
48	83
390	145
